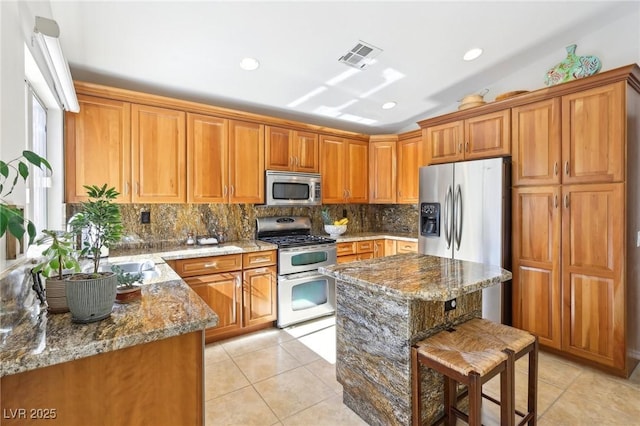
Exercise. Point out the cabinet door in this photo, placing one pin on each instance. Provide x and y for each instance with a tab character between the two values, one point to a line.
536	262
593	262
390	247
223	294
98	148
159	155
444	142
246	162
278	149
306	152
406	247
332	168
410	159
357	178
593	134
487	135
260	296
207	159
378	248
382	172
536	143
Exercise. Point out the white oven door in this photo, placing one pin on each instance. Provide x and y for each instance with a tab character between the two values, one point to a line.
305	296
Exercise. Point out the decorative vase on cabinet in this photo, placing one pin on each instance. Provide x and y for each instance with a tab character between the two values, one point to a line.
572	67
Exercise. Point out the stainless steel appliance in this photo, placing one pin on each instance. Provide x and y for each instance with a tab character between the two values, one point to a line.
292	189
465	214
303	293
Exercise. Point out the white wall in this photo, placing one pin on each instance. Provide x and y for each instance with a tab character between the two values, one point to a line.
17	19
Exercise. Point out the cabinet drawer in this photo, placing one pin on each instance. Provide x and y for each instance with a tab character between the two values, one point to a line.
208	265
406	247
259	258
365	256
348	258
365	246
346	248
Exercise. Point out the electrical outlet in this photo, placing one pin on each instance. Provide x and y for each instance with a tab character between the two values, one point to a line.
344	212
145	217
450	305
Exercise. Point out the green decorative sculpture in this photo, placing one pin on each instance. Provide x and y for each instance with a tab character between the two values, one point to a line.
572	67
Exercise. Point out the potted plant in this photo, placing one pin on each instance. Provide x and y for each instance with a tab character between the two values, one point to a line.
11	219
60	257
91	295
128	285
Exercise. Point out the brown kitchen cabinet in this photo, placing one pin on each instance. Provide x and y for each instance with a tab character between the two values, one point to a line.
482	136
225	160
406	247
382	169
354	251
138	149
410	154
378	248
158	155
575	210
291	150
536	262
240	288
98	148
344	170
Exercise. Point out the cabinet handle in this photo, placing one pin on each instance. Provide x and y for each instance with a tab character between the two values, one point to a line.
460	147
466	146
291	163
555	168
259	259
555	201
224	191
232	190
348	193
566	201
297	161
566	168
210	265
126	188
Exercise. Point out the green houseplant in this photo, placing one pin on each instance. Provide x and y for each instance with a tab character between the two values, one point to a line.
91	295
11	219
128	285
59	257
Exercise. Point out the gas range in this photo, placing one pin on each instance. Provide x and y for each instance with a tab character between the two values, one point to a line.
288	241
288	232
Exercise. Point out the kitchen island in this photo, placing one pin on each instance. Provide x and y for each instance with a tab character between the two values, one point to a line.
384	306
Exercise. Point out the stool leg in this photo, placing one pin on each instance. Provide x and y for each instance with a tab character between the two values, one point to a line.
475	399
507	391
416	403
450	400
532	398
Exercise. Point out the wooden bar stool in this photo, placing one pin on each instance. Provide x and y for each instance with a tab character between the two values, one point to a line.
520	343
469	358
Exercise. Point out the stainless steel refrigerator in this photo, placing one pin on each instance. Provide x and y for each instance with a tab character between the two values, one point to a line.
465	211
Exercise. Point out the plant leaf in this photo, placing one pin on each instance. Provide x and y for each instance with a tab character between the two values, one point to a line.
4	169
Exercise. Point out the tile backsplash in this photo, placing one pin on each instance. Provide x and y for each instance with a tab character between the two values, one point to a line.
170	223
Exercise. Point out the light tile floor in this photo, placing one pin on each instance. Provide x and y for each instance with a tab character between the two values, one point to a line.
287	377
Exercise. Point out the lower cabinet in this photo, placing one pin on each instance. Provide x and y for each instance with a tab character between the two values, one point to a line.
240	288
370	249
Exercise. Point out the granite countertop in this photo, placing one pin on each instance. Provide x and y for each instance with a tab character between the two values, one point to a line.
358	236
31	338
418	276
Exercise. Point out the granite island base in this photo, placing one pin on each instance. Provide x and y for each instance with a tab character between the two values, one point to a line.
383	307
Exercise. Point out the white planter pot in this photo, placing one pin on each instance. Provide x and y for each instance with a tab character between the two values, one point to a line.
91	299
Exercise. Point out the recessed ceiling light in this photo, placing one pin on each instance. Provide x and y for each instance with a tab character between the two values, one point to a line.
249	64
472	54
389	105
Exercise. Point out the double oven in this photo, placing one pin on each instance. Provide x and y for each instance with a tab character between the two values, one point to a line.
303	293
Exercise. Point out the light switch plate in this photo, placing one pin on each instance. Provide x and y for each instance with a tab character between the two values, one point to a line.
638	240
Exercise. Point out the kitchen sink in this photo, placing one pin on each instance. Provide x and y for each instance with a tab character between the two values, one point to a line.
145	267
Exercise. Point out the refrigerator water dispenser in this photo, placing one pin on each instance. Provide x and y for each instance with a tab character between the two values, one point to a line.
430	219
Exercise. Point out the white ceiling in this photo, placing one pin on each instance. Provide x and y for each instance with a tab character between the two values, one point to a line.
192	50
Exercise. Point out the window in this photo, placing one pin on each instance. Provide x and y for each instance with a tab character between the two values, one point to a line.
37	133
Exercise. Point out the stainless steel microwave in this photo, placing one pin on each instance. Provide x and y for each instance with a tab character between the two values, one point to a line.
292	189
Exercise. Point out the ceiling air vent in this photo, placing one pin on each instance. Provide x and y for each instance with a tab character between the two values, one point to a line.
361	55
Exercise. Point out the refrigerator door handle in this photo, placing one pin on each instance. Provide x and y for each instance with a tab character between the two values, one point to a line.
447	222
458	216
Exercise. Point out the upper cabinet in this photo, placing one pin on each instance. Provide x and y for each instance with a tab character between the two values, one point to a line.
246	162
593	135
477	137
410	150
382	169
207	159
159	154
344	170
291	150
98	148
